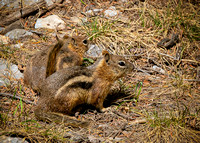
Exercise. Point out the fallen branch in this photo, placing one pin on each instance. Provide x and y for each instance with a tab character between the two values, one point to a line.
17	97
40	6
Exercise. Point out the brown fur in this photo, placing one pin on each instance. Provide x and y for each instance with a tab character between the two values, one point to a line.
65	53
68	88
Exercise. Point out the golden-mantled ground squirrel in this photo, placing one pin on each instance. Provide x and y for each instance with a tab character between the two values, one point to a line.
67	89
65	53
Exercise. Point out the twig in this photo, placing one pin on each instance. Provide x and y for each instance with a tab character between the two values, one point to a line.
138	121
187	60
167	55
121	115
17	97
184	60
36	32
144	71
196	80
137	55
122	128
190	80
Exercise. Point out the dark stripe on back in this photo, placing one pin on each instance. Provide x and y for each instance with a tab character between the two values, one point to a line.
83	85
61	77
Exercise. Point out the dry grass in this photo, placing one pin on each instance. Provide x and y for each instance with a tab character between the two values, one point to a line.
169	103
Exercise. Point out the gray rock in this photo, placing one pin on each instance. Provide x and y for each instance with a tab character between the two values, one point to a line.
94	51
8	71
50	22
18	33
5	139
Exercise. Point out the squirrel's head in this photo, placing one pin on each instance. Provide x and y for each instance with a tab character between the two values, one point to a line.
67	51
117	64
78	44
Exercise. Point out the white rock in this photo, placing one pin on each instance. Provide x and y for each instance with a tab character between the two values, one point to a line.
7	71
4	39
50	22
111	12
18	33
158	69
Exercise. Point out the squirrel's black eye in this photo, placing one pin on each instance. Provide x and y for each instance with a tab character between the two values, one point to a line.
122	63
85	42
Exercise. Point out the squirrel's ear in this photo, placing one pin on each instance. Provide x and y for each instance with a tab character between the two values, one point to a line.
51	58
106	55
73	40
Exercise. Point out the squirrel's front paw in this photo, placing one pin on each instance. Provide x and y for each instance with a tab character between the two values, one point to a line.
103	110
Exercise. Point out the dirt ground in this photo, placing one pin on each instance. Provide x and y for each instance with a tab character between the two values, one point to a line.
148	105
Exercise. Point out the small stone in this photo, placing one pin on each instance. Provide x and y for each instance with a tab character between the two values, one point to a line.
49	2
158	69
94	51
111	12
93	12
19	45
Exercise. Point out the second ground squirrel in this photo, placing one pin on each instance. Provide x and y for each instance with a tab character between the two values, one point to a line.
67	89
65	53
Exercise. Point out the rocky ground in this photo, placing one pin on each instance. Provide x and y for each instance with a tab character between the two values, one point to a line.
158	102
